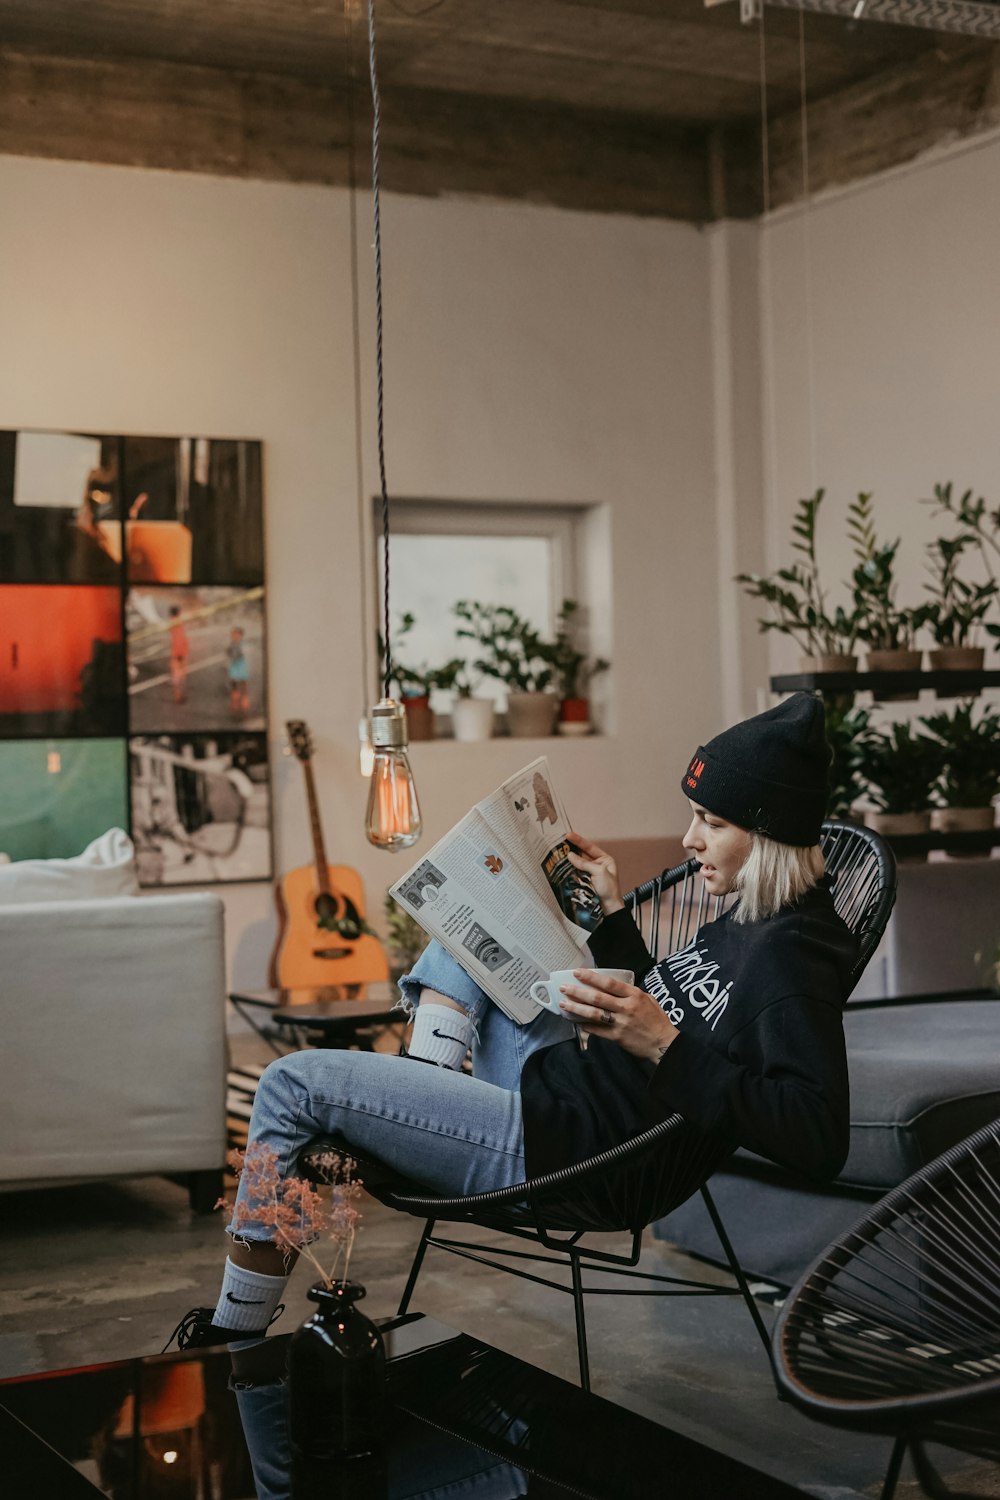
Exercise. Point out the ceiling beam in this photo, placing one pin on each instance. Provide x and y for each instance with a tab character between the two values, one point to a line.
886	120
182	117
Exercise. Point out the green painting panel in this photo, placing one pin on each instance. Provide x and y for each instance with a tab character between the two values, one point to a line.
58	795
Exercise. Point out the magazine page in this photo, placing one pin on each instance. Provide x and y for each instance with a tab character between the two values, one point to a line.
527	813
471	894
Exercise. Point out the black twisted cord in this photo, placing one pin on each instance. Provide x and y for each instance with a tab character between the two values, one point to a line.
376	122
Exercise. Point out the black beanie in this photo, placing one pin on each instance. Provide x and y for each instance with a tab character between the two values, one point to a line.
769	773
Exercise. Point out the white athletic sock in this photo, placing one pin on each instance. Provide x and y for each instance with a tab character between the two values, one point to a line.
441	1035
248	1299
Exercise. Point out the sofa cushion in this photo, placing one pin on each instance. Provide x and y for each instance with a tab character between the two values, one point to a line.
923	1076
105	869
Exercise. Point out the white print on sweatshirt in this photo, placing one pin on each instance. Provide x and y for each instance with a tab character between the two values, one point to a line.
695	976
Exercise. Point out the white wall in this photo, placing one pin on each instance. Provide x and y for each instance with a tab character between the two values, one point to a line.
531	355
883	301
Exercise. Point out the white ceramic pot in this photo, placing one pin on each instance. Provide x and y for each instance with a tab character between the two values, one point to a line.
472	719
532	715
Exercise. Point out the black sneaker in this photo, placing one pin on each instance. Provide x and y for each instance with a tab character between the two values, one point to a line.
197	1331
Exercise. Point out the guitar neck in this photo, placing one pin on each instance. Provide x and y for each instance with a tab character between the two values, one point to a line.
319	849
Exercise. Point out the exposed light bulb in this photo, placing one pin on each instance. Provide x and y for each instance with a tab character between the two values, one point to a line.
393	819
366	755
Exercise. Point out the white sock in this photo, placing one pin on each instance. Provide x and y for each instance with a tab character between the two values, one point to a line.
441	1035
248	1299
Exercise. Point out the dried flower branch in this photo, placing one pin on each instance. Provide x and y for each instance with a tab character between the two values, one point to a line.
294	1211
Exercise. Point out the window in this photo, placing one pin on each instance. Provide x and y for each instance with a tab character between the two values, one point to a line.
522	556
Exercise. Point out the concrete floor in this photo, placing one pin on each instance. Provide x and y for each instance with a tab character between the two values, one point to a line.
104	1271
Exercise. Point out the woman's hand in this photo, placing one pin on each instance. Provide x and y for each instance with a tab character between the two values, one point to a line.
601	868
618	1012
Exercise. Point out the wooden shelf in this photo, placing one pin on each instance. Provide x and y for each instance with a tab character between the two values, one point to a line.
957	683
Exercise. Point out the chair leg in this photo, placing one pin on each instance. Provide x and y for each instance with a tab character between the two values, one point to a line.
737	1270
418	1261
892	1472
581	1320
930	1480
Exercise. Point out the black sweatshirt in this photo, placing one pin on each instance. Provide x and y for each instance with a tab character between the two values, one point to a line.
759	1060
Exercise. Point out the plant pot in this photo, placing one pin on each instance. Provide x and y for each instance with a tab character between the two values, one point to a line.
961	819
531	715
336	1378
889	824
574	716
472	719
419	719
831	662
895	661
957	659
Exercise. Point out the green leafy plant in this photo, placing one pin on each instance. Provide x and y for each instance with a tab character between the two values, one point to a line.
979	524
881	623
796	597
510	649
956	607
574	669
849	732
899	769
970	753
416	681
405	938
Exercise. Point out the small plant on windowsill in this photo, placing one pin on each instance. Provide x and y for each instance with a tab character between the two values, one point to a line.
471	715
574	671
516	654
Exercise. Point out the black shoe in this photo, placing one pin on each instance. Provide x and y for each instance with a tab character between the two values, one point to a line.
197	1331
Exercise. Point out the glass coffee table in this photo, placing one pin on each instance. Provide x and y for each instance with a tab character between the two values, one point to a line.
464	1419
332	1015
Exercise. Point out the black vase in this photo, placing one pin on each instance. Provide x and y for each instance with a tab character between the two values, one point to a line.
336	1378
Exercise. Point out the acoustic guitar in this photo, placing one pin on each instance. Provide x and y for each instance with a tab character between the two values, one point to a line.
321	921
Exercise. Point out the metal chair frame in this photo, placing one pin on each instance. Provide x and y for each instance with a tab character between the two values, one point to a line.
896	1327
542	1211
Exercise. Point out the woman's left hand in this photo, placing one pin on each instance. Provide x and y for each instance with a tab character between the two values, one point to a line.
618	1012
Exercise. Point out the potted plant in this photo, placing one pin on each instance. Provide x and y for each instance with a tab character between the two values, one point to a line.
515	654
471	716
899	768
416	683
574	673
405	939
849	731
970	774
980	526
798	601
885	628
955	610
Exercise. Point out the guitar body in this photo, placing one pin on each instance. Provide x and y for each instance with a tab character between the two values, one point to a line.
307	955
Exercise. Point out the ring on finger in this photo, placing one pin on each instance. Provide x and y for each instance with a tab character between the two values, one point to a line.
607	1018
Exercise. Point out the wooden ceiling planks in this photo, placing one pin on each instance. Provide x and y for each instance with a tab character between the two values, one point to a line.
636	106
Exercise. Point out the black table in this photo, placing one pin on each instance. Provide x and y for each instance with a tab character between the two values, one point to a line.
334	1015
464	1420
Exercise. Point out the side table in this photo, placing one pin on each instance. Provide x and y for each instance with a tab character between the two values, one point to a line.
333	1015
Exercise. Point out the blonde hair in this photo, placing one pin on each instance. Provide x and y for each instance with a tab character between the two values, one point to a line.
774	875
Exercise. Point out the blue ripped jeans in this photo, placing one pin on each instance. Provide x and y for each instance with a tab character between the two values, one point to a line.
453	1133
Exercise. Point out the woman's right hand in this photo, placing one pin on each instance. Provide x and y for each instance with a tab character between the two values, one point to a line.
603	872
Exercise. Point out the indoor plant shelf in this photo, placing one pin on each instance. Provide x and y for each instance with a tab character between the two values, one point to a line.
883	682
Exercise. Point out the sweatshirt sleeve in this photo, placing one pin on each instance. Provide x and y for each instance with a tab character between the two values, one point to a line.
781	1090
618	944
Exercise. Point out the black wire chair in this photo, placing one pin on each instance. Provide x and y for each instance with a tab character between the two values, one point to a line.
896	1328
654	1171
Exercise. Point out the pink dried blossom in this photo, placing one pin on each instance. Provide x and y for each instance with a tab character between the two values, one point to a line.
294	1210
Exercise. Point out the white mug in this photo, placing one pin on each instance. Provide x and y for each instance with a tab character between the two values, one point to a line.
546	991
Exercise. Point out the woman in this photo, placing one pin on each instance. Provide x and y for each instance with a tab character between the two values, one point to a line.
740	1031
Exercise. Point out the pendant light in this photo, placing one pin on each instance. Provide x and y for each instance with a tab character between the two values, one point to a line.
393	817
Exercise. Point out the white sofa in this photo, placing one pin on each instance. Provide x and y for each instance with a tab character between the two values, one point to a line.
113	1047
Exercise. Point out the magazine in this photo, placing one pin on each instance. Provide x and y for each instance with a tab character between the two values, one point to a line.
499	892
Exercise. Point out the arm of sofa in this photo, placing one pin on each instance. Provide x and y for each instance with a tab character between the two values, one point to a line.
114	1055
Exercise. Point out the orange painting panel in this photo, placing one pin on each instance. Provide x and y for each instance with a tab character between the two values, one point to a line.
47	636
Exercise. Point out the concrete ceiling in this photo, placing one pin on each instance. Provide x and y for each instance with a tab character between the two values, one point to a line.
649	106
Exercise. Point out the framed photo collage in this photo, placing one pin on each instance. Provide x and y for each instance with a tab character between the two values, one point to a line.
133	652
